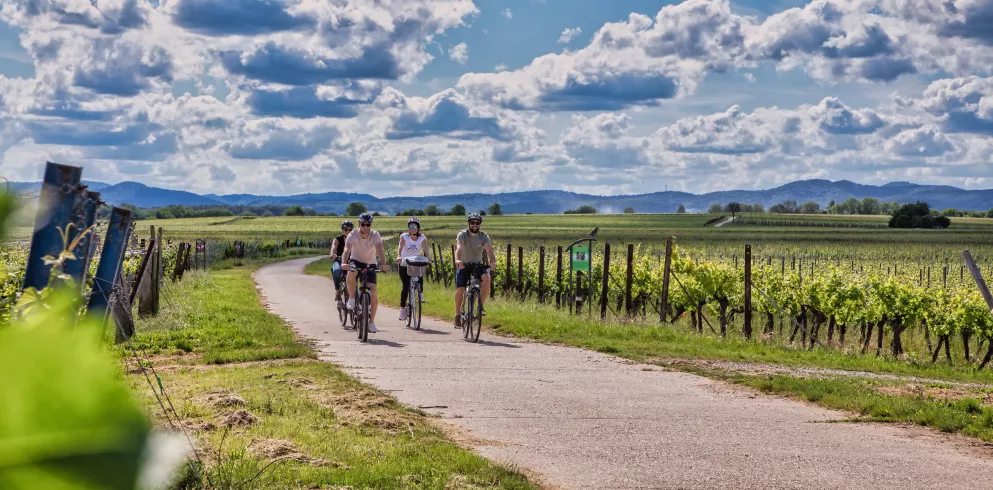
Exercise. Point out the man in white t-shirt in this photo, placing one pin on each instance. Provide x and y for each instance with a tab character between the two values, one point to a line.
361	251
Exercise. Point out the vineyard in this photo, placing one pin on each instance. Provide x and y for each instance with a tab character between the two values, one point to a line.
904	308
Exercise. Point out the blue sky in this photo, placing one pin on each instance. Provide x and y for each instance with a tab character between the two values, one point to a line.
421	97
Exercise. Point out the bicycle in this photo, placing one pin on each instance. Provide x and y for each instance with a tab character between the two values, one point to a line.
415	268
360	318
472	307
344	314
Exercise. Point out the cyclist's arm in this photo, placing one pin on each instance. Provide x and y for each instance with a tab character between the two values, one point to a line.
382	256
334	246
346	256
458	252
491	254
399	248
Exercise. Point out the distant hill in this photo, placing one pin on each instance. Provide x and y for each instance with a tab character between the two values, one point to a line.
555	202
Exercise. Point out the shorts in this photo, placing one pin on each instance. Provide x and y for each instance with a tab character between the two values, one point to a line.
354	265
462	275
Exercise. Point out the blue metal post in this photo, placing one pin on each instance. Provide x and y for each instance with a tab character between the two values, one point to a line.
78	268
58	192
110	261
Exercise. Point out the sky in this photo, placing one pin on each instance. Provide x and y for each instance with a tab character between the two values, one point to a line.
422	97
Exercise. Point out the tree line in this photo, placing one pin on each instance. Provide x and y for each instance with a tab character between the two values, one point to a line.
868	206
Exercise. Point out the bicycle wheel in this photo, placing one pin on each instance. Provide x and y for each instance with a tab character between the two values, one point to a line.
416	302
363	326
476	318
467	305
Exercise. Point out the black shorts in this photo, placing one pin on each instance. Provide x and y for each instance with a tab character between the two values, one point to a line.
462	276
354	265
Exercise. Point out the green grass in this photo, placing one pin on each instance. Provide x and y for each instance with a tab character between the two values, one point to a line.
341	432
218	317
967	416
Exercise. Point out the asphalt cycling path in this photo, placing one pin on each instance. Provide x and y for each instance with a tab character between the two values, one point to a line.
579	419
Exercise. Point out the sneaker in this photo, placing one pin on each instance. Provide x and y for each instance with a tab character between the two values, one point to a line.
372	328
403	314
482	312
458	321
351	304
422	297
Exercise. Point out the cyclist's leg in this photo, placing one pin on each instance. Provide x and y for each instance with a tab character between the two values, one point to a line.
461	279
373	296
351	279
336	274
405	288
486	282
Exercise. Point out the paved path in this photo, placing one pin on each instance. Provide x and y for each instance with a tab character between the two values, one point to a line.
581	419
723	222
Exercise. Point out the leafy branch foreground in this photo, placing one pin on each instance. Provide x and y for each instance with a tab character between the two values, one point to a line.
266	414
878	389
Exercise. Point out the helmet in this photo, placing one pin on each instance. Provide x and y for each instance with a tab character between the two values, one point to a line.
365	218
474	216
347	224
414	221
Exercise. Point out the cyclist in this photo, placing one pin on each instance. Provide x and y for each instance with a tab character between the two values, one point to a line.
337	249
412	244
361	251
470	245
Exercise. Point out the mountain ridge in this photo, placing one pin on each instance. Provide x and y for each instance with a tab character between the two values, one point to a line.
556	201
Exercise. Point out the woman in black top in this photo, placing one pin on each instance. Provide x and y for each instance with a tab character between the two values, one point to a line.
337	250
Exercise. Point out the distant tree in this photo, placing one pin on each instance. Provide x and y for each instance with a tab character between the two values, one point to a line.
432	210
294	211
989	214
758	208
355	209
495	209
733	208
376	213
682	209
831	204
629	210
584	209
457	210
917	215
785	207
715	209
951	213
411	212
810	208
870	205
267	214
482	212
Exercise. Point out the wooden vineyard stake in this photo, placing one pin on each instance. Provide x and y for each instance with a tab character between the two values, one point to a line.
748	292
628	279
666	271
606	281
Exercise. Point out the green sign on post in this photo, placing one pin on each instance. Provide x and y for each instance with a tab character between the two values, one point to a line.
581	258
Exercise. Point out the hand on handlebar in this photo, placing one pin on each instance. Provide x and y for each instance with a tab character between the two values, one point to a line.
459	264
385	268
334	256
344	267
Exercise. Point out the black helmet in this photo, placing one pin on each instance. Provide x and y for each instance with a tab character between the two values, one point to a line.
347	224
365	218
475	216
414	221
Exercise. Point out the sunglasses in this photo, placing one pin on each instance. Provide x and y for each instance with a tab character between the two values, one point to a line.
475	223
365	225
347	229
412	227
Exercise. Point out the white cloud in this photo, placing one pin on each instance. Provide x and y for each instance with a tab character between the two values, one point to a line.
500	67
569	34
459	53
508	14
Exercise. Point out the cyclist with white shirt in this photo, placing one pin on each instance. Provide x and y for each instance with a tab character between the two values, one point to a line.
361	251
412	244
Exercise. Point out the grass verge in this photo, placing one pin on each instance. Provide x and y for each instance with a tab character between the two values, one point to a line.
928	404
266	414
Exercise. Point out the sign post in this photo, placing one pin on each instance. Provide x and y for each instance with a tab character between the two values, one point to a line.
580	264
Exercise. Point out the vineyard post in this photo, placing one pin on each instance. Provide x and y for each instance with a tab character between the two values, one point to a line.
520	271
558	280
186	260
628	277
157	272
783	259
141	272
147	277
665	278
77	268
606	281
541	274
748	292
58	191
434	265
980	282
944	277
177	270
929	277
111	258
506	285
